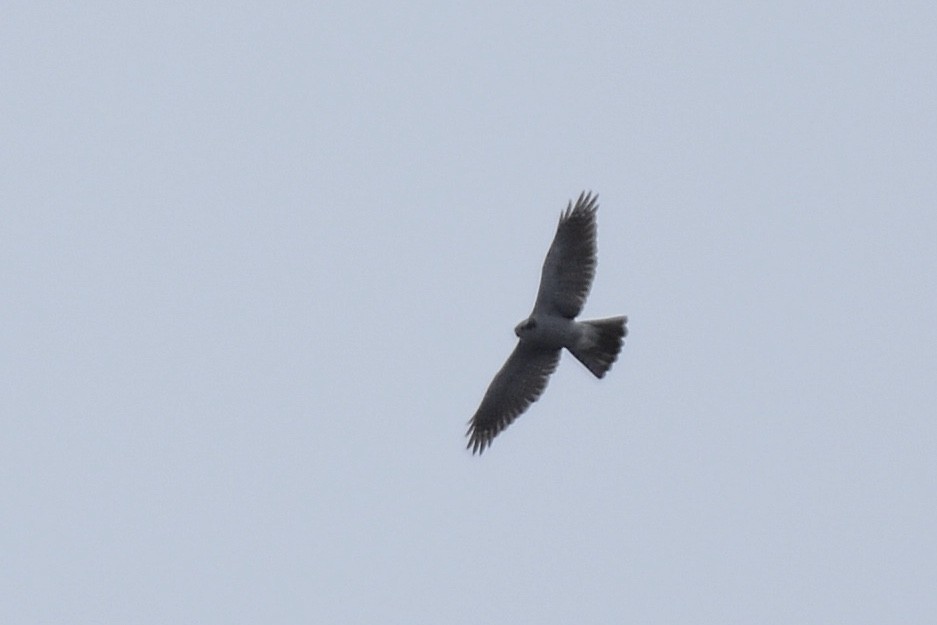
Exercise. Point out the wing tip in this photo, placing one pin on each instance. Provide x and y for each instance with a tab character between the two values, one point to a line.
478	441
587	204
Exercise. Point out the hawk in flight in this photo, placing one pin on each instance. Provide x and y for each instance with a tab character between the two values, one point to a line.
564	284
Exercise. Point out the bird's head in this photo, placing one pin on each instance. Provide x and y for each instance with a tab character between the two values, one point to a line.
525	326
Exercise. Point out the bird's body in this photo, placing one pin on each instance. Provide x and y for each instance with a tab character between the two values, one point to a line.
564	285
549	331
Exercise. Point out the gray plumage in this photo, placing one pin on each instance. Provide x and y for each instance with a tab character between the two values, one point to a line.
565	281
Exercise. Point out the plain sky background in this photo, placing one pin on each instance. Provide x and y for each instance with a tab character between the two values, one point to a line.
259	262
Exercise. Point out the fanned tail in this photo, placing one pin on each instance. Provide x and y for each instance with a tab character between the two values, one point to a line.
600	343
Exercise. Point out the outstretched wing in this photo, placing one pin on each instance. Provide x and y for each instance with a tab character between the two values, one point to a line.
519	383
570	264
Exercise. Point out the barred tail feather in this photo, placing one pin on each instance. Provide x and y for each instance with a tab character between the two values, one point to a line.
600	343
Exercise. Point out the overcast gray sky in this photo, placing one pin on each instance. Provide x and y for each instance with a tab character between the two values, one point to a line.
259	263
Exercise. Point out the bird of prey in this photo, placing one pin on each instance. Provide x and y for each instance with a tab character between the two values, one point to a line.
564	284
